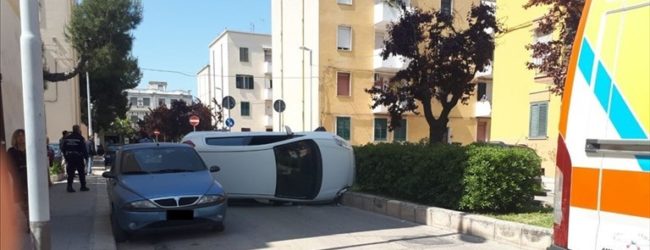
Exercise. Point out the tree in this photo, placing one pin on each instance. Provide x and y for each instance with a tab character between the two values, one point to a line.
562	16
173	123
100	32
442	61
121	127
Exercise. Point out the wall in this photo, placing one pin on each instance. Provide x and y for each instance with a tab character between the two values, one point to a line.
12	92
515	87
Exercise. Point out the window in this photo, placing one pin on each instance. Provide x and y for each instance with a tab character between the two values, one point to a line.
146	102
245	129
381	129
161	101
267	55
446	6
481	91
343	127
538	120
348	2
244	82
245	108
343	84
540	38
399	133
243	54
344	38
133	101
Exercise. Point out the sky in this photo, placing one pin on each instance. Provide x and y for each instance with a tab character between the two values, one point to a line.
174	35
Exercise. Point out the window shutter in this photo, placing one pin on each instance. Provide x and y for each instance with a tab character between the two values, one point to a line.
344	38
543	120
343	84
239	82
534	120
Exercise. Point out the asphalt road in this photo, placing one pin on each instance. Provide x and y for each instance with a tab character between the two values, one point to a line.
250	225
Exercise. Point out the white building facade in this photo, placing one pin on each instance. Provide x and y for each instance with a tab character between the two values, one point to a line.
156	95
240	66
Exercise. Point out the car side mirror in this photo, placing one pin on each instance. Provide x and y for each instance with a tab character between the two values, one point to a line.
108	175
214	169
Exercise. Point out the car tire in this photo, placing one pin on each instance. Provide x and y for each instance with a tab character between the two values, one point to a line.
119	234
218	227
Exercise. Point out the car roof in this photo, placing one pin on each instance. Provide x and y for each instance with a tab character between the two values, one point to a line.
154	145
245	134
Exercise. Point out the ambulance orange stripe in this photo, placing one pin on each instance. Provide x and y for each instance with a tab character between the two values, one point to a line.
623	192
584	188
573	64
626	192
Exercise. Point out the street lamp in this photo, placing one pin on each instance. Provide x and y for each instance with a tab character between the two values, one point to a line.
311	110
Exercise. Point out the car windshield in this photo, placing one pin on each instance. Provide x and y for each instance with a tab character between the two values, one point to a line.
161	160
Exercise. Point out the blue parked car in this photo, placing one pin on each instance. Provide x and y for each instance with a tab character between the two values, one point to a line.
154	186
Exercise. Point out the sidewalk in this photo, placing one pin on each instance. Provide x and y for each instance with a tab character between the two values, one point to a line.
80	220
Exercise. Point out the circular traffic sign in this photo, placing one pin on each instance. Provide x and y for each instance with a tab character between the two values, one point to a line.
228	102
230	122
156	132
194	120
279	105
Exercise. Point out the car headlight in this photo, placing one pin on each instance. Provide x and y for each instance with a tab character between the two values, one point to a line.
209	199
142	204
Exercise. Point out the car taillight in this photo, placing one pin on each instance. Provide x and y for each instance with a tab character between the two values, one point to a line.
190	143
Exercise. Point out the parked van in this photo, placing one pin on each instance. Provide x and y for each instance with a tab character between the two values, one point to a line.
603	181
300	167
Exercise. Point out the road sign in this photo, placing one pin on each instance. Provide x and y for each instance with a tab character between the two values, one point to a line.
279	105
156	132
194	120
229	102
230	122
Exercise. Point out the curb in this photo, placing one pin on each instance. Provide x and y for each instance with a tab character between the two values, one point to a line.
518	234
102	236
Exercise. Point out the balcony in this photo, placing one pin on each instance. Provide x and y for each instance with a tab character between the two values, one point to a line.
392	64
485	74
483	108
268	120
384	15
380	110
267	94
268	68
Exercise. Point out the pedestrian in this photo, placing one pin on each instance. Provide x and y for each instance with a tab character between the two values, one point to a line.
90	148
18	159
64	163
75	153
50	158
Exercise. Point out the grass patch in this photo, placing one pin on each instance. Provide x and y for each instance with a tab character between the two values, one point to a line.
542	217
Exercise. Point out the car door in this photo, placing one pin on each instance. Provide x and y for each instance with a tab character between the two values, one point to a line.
299	170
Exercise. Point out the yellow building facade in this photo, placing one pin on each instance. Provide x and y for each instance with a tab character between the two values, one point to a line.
524	111
345	38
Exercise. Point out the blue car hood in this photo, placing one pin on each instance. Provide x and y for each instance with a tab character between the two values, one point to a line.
152	186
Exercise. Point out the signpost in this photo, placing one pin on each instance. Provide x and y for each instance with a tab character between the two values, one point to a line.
194	121
279	106
230	122
229	102
156	133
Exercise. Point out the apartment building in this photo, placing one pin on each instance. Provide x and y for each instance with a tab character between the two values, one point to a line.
154	96
524	111
240	66
62	99
326	53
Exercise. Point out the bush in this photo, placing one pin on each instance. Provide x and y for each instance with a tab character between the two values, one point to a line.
56	168
428	174
500	179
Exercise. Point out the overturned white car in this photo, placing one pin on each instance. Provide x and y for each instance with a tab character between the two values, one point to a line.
300	167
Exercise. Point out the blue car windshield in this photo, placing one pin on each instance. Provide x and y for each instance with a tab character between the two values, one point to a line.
161	160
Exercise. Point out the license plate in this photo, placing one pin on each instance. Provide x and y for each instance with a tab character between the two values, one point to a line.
180	214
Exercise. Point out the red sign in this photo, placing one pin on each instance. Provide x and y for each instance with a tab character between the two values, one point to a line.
156	132
194	120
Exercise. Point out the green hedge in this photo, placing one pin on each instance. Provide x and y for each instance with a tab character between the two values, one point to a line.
474	178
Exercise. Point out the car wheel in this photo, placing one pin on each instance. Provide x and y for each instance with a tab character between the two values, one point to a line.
119	234
218	227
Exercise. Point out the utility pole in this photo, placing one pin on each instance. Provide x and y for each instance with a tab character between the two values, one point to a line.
89	105
311	85
32	75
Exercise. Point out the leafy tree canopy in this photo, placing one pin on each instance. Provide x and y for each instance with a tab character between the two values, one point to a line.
562	16
442	61
173	123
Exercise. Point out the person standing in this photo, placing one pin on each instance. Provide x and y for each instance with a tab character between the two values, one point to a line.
19	161
90	148
75	153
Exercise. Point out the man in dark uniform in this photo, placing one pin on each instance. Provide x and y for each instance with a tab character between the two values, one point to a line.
74	151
